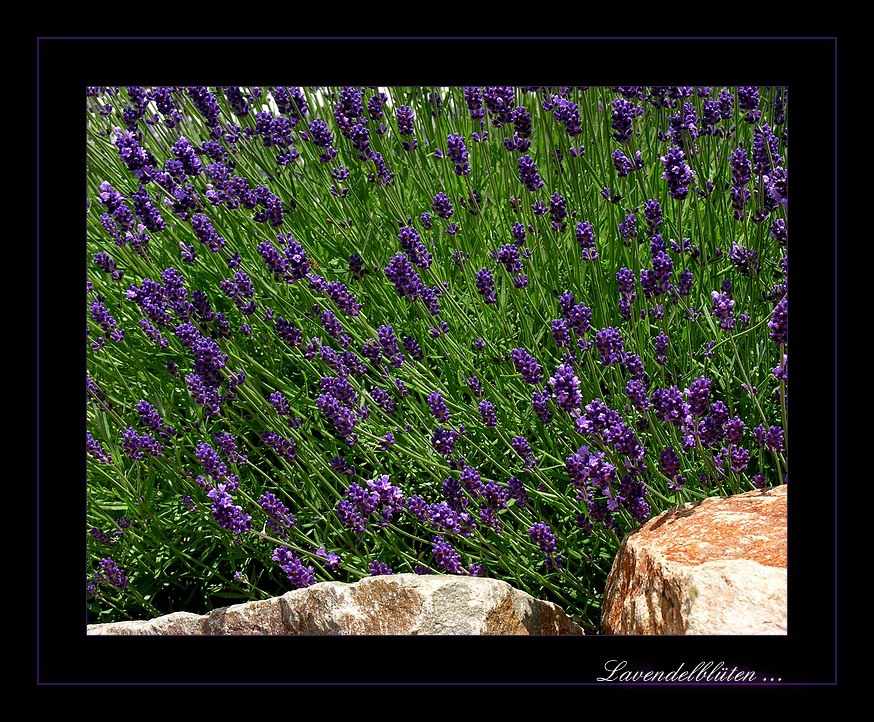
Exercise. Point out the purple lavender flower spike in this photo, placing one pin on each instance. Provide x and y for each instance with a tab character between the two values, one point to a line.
526	366
485	285
565	388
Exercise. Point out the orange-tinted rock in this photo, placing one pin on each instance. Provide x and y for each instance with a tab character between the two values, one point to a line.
717	566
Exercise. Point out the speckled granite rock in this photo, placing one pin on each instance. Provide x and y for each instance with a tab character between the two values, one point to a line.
407	604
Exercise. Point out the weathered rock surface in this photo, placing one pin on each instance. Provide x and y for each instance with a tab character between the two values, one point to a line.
408	604
717	566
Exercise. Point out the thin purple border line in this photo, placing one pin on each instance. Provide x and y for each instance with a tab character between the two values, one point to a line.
836	365
439	37
37	364
682	684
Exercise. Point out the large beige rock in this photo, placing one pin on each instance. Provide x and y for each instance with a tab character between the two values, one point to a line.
717	566
408	604
176	623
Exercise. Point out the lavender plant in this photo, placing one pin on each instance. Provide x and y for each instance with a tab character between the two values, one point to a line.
336	332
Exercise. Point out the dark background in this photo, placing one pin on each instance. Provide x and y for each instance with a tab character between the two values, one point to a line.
65	656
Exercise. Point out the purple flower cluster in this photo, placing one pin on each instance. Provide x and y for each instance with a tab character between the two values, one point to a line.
150	418
598	417
778	324
652	212
146	211
500	101
412	244
438	406
405	118
523	448
566	388
95	450
280	519
488	414
404	277
321	136
442	206
683	127
698	396
622	117
228	515
120	220
625	281
298	574
610	345
485	285
138	160
557	211
379	569
528	173
332	560
624	165
339	293
540	404
677	173
382	399
241	291
723	309
228	447
445	556
388	342
443	440
284	447
105	263
101	316
341	416
585	234
380	498
457	153
509	257
567	113
593	477
111	574
476	386
136	445
543	536
527	366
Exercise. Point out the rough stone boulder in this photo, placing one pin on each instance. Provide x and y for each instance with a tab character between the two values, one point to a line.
717	566
408	604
